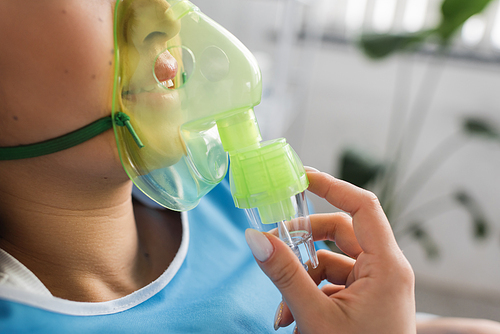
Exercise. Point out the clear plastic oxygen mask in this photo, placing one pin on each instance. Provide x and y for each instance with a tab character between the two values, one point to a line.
184	94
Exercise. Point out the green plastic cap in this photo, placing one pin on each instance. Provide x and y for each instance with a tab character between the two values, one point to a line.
266	178
239	130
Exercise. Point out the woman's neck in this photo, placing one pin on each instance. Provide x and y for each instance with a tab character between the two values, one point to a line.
84	242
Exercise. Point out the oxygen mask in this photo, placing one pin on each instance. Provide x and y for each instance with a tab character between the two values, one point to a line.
186	89
183	99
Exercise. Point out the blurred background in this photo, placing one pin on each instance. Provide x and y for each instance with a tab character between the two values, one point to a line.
401	97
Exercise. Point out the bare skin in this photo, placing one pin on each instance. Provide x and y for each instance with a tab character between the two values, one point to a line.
69	216
87	253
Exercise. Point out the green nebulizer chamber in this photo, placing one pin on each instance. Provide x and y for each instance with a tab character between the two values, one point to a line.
268	180
184	94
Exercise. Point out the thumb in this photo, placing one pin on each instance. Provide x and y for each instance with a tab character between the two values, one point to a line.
284	269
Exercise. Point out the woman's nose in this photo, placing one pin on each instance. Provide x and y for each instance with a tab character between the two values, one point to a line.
165	67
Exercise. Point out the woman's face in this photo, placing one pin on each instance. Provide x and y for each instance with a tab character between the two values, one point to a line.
56	75
56	67
147	80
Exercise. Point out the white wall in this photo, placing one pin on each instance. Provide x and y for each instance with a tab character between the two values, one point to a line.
348	104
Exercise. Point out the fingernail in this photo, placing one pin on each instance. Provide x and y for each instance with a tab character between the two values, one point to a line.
260	246
277	316
311	169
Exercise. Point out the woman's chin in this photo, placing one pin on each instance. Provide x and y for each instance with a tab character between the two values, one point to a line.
155	158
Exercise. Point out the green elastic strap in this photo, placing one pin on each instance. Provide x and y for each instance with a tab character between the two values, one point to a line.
122	119
68	140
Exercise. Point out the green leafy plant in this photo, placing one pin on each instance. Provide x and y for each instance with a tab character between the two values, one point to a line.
383	176
454	13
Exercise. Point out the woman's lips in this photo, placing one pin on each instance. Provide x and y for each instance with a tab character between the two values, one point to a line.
168	83
153	91
150	88
153	97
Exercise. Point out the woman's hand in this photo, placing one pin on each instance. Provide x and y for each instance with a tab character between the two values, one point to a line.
372	290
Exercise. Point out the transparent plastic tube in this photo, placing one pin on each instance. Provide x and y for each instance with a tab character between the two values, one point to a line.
296	232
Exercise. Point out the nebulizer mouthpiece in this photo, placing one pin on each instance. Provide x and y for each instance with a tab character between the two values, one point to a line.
183	102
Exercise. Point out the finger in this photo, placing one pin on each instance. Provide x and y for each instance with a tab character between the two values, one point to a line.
330	289
333	267
370	224
282	266
336	227
284	316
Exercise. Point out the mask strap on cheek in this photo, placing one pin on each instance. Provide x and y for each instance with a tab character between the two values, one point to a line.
69	140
